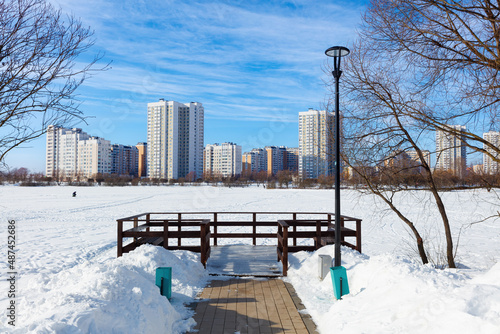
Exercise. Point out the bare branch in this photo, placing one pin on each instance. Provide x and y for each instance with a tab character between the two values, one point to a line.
39	47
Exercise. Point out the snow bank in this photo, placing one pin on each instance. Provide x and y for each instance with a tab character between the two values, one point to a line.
117	296
391	294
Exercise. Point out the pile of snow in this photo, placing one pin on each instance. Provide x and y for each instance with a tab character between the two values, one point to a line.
118	296
392	294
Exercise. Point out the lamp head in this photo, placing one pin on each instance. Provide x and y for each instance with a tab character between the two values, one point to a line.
337	51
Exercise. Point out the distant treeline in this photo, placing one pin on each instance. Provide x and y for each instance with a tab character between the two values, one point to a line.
445	181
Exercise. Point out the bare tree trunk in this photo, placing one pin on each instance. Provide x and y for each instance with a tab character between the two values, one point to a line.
434	191
389	202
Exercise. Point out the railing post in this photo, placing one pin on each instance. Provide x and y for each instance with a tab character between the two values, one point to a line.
179	220
318	234
165	233
280	233
330	232
148	220
358	235
136	223
284	261
119	245
215	228
207	241
254	228
278	237
203	241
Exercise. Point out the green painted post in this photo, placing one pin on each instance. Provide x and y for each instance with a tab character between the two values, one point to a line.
164	281
339	280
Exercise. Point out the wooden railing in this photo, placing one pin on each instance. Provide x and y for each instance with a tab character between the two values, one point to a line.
321	231
160	231
159	227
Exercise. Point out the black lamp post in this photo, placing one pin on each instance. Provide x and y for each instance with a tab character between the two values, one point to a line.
337	52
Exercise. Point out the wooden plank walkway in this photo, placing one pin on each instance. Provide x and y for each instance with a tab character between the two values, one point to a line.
244	260
244	305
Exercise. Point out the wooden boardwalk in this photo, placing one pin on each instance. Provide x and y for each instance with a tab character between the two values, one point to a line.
244	305
244	260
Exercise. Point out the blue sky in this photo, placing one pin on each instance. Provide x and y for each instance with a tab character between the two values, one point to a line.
253	64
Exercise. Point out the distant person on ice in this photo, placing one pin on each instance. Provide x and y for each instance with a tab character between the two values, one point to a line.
74	194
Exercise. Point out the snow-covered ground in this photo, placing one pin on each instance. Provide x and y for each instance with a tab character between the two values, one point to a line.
70	281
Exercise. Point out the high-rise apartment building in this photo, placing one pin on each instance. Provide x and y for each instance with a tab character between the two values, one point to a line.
142	151
61	159
407	160
292	159
94	157
398	159
124	160
451	152
254	161
222	160
280	158
316	143
270	159
490	166
414	156
276	159
73	153
246	164
175	139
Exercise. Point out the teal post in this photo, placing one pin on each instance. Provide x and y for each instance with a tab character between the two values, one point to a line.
164	281
339	280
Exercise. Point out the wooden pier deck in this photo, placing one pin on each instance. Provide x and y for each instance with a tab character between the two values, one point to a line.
244	260
171	230
245	305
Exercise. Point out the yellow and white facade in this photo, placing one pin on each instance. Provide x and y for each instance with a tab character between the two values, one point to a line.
490	166
175	139
316	143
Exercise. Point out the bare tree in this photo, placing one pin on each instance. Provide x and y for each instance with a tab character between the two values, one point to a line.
453	49
284	177
39	48
378	128
420	66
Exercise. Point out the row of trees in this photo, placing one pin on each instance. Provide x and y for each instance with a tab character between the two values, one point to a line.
393	177
386	177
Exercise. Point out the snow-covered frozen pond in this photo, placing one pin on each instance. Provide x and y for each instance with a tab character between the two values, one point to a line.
69	280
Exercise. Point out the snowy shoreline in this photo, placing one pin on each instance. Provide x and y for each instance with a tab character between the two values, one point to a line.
69	279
